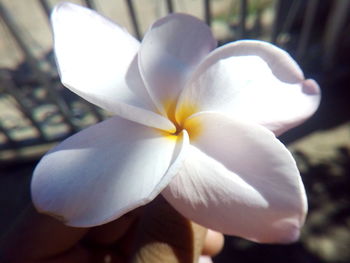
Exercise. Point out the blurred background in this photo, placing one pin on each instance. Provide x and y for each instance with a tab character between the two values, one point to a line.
36	112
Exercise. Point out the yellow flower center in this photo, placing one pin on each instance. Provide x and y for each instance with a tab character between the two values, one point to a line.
180	118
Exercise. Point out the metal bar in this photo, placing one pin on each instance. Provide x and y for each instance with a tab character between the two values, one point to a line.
170	7
243	17
95	111
207	12
132	14
275	25
34	65
7	18
90	4
292	14
11	143
308	22
335	23
10	87
45	6
30	143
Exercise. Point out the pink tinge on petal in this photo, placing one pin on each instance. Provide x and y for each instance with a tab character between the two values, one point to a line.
311	87
289	229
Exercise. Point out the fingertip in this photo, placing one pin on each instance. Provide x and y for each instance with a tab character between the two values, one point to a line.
205	259
164	235
213	244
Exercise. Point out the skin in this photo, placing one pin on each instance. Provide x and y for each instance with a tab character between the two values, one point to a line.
154	233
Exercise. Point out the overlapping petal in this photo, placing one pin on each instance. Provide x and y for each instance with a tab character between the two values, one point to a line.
230	101
105	171
97	60
170	50
238	179
252	80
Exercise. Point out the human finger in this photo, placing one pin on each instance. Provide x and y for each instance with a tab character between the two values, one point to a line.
36	236
213	244
164	235
205	259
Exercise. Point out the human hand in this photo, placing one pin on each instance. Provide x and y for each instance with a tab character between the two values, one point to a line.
154	233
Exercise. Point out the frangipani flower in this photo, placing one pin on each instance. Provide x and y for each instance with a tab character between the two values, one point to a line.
193	123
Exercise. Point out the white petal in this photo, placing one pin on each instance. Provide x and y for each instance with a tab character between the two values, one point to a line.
103	172
170	50
252	80
238	179
97	60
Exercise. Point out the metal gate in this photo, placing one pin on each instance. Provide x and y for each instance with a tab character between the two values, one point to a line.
35	111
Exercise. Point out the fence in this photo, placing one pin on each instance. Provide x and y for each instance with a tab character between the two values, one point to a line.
36	111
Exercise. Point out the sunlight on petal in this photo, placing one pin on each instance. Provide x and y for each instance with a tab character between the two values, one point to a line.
104	171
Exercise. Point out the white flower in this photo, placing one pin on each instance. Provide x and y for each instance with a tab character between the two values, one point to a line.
195	124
